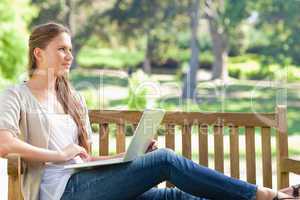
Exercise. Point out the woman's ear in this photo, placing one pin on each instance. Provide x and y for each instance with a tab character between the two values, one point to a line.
38	54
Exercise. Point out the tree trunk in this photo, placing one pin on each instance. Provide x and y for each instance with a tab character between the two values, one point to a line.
70	22
70	16
219	45
147	60
190	81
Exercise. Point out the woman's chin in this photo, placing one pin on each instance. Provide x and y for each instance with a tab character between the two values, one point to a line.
63	72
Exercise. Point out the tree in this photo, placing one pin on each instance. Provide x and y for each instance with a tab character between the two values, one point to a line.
223	17
151	20
14	17
279	21
84	18
190	81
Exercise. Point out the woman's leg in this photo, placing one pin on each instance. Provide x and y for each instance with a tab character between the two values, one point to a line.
166	194
130	180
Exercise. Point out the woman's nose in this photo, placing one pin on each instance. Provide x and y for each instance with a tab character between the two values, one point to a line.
69	56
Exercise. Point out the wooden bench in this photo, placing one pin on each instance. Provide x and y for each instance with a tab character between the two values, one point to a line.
205	123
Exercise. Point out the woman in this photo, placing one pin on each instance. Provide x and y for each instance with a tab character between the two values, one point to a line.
52	120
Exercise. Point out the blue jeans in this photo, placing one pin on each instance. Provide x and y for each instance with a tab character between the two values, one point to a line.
135	181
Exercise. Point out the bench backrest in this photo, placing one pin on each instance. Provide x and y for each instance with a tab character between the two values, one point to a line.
214	124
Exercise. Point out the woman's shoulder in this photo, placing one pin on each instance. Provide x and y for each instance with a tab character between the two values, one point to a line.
13	97
13	90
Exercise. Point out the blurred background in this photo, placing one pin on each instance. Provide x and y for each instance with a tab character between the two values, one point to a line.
187	55
190	55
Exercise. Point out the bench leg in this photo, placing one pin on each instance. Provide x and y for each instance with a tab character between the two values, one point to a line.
14	188
282	180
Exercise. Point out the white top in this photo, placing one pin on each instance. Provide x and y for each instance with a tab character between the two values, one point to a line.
55	178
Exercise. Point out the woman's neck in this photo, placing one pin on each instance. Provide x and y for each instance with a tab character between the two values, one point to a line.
42	82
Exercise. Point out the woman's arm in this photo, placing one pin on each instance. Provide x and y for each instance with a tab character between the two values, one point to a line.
12	145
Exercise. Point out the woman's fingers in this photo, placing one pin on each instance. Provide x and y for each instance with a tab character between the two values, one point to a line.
152	146
84	155
73	150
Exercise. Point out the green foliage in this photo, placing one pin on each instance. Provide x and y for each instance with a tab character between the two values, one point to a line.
14	17
92	100
109	58
150	21
293	74
137	93
226	19
4	83
253	67
279	20
232	18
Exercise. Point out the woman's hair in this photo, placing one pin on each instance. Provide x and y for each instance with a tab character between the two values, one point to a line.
40	37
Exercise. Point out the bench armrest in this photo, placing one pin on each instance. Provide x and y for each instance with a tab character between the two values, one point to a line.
291	165
14	165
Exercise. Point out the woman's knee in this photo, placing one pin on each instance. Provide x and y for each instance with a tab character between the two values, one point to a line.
164	154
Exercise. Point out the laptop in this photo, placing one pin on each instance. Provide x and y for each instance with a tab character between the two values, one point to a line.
143	135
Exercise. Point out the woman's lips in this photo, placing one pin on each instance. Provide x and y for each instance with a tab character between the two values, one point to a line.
67	66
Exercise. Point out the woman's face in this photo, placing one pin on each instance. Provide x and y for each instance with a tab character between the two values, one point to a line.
57	56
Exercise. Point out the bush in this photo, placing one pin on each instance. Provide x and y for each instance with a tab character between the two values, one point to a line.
293	74
245	67
255	67
92	100
235	72
136	93
262	73
109	58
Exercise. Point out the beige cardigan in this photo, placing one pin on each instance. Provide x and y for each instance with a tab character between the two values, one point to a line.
23	116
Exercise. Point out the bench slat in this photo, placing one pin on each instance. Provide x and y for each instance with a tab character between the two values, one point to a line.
250	155
103	139
170	143
234	152
266	156
170	136
219	148
186	141
203	144
282	147
181	118
120	138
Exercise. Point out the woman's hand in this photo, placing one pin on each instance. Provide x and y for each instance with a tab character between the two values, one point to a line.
2	151
152	146
73	150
